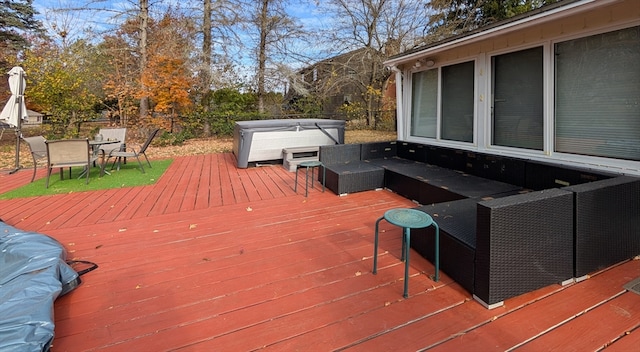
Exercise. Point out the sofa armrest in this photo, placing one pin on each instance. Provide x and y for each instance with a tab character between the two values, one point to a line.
607	214
523	242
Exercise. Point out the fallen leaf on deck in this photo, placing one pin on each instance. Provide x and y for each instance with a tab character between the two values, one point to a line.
122	230
249	209
192	226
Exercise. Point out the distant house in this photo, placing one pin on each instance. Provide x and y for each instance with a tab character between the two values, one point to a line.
560	84
335	81
34	119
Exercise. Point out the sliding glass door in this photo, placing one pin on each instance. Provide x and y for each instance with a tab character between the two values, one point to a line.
518	99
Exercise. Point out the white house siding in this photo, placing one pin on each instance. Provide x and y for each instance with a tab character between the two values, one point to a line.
575	20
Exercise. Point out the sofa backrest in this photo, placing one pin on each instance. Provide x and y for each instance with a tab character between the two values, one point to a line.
378	150
497	167
412	151
339	154
541	175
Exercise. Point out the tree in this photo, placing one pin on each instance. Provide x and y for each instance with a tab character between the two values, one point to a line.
167	78
378	29
275	30
62	82
143	16
120	81
453	17
218	35
17	20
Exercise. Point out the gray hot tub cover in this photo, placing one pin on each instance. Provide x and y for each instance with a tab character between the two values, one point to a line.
33	273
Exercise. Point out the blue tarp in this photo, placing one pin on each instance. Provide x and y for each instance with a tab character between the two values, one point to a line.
33	274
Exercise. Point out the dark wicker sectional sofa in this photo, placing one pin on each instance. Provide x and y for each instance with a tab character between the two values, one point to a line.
508	225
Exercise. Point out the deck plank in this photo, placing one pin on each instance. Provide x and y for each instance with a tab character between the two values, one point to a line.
595	329
555	310
226	177
172	195
204	186
125	198
628	342
187	193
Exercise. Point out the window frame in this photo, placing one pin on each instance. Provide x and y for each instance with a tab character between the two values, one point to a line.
545	98
438	140
553	148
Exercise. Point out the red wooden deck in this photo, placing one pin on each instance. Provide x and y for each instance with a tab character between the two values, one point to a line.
218	258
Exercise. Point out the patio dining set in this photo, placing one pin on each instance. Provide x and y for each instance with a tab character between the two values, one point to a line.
83	152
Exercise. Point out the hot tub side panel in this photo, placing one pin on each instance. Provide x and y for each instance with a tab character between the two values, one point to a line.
242	144
263	140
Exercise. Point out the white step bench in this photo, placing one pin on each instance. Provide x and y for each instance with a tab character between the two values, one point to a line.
292	157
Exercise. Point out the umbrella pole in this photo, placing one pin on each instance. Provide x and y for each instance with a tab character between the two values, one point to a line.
19	125
18	167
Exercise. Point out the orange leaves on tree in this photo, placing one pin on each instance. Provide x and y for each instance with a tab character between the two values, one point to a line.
167	84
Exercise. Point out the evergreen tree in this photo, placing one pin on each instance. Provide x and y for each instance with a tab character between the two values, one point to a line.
17	18
453	17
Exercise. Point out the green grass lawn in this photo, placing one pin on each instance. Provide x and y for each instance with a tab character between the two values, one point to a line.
129	175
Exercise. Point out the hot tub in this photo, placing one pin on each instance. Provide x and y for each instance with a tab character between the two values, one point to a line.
263	140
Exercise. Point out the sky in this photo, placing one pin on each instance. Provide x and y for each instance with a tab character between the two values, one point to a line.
75	24
305	11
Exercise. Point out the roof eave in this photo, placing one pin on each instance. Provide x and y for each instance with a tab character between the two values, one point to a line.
534	18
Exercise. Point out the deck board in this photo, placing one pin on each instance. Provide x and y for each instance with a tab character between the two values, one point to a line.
550	313
202	198
212	257
594	329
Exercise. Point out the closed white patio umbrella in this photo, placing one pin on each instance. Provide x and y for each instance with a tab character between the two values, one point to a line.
15	110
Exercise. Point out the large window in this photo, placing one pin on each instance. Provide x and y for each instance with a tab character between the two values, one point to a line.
455	116
424	107
518	99
597	95
457	102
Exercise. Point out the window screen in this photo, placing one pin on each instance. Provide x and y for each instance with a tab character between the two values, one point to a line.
518	99
457	102
597	95
424	108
